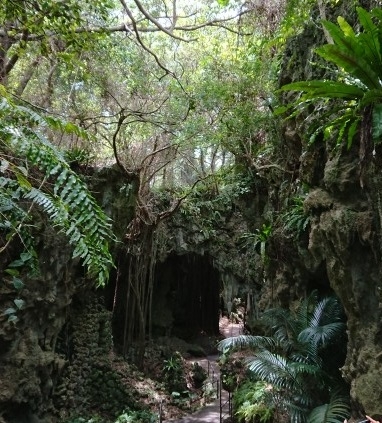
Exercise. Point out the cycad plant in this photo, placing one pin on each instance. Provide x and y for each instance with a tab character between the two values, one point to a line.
358	87
293	362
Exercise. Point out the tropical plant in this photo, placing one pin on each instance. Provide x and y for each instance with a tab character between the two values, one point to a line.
331	411
252	402
295	220
173	374
34	173
258	239
142	416
358	87
291	359
198	374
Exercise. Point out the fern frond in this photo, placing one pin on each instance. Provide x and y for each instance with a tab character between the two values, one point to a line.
70	206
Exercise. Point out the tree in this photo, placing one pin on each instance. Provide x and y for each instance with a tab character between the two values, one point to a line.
169	113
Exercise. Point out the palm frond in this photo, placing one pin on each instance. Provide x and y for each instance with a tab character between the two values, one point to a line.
324	324
335	412
322	335
271	368
245	341
281	372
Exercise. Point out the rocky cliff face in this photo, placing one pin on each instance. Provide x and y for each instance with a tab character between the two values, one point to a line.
29	363
342	249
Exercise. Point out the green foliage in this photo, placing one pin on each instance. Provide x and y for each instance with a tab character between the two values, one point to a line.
295	220
35	173
198	374
173	374
258	240
337	410
359	83
293	360
78	156
252	402
142	416
214	197
231	370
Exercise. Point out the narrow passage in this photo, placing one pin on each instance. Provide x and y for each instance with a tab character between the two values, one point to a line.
211	412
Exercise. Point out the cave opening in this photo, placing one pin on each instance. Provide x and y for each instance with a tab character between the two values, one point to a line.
186	297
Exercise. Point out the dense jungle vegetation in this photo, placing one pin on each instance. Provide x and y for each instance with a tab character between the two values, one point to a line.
194	104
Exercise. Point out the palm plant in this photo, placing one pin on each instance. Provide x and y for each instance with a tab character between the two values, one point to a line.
358	87
291	359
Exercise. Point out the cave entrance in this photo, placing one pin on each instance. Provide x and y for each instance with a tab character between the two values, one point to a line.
186	297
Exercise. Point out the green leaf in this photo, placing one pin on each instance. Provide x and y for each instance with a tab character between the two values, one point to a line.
16	263
347	43
19	303
352	63
345	27
10	310
376	128
370	39
12	272
324	89
352	131
17	283
13	318
371	96
26	256
23	182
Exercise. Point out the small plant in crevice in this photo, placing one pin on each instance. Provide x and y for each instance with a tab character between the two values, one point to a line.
258	239
295	220
198	375
174	374
26	262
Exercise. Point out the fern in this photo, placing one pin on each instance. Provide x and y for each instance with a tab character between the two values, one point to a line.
359	84
68	204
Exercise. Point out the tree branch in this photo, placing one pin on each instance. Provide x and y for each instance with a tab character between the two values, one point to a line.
156	23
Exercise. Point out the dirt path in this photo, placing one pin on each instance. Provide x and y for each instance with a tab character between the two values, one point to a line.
211	412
